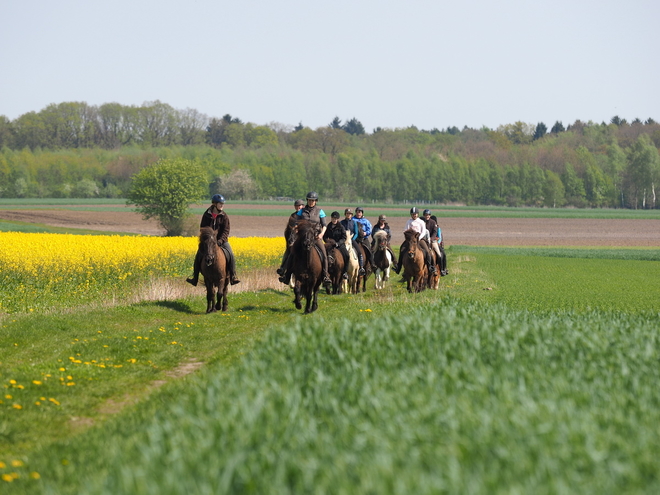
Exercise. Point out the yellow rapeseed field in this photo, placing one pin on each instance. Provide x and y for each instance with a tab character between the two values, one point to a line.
56	267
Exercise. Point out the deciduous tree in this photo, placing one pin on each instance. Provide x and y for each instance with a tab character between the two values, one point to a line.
165	191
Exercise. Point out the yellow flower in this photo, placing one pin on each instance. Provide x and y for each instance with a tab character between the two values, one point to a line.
17	463
34	475
17	406
8	478
13	382
8	396
36	382
2	465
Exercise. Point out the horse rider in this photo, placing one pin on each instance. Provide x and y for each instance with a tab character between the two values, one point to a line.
352	226
337	233
432	227
218	220
316	215
417	224
293	219
383	225
363	236
441	246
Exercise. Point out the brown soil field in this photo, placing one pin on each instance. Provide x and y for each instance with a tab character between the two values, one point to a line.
463	231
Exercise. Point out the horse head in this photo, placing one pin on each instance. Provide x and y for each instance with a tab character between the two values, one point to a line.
306	233
208	241
381	240
412	237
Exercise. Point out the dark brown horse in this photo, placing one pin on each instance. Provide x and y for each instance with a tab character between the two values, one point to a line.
415	272
382	259
335	265
307	266
214	270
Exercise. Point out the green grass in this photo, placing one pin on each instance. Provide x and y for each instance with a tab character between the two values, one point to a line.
371	209
447	397
36	228
617	280
544	384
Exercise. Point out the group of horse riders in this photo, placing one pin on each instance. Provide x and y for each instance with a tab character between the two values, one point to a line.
359	228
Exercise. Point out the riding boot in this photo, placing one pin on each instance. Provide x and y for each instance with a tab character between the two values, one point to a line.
231	263
285	278
197	266
429	262
361	272
324	262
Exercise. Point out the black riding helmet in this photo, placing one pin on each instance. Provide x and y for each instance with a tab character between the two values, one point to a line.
334	214
414	210
218	198
313	195
359	208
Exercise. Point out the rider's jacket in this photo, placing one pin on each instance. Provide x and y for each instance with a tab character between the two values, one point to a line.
351	226
218	222
313	214
337	232
417	225
366	225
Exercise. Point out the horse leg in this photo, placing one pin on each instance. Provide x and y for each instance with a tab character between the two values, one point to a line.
296	293
314	301
210	297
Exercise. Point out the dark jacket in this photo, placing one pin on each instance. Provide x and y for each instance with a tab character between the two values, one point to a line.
220	223
385	227
336	232
352	227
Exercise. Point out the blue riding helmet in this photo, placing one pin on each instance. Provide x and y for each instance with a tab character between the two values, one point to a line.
427	212
218	198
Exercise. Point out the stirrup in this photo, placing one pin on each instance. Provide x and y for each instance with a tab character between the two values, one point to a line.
192	282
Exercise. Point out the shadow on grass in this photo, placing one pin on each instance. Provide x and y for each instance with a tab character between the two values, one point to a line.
178	306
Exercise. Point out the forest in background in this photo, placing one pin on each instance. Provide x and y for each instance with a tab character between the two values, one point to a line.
78	150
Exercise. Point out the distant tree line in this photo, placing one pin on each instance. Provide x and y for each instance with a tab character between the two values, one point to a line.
78	150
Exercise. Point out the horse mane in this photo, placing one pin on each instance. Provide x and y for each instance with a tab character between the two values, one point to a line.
381	234
307	232
205	233
411	235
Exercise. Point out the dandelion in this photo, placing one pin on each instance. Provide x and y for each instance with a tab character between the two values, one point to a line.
8	478
17	463
34	475
2	465
8	396
13	382
36	382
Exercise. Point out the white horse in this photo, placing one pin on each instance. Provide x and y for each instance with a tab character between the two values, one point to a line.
349	286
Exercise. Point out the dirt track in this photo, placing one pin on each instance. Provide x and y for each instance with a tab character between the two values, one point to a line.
466	231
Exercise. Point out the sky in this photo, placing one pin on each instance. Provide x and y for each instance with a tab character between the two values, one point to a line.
390	64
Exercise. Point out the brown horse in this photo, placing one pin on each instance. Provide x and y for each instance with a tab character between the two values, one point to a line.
214	270
414	269
307	266
382	259
335	265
